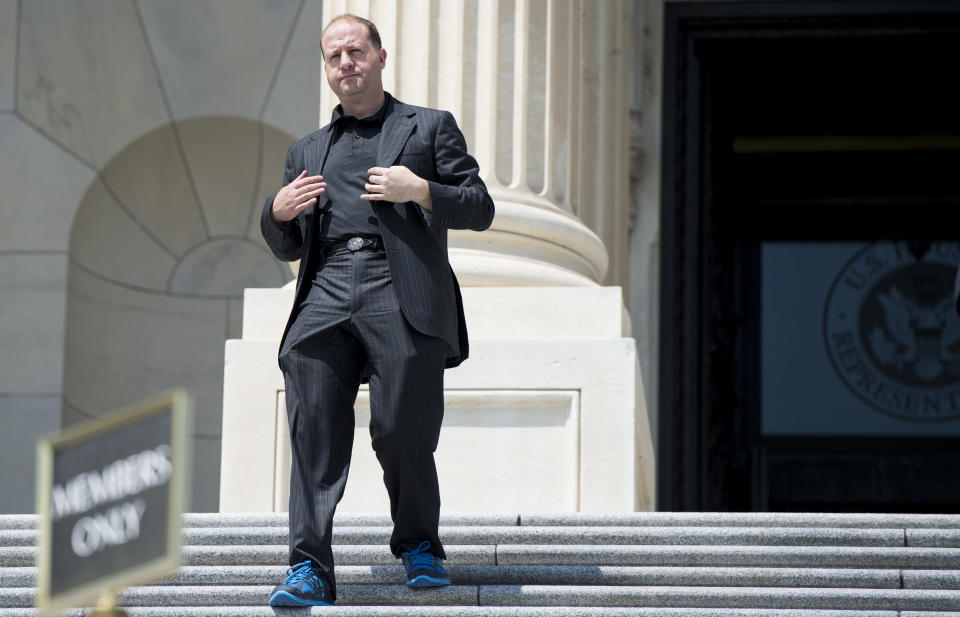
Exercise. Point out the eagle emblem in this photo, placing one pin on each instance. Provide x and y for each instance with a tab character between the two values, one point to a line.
916	339
891	331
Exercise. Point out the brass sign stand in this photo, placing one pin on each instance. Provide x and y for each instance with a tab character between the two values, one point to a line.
107	606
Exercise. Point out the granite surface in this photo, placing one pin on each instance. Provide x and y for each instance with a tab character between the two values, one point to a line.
562	575
941	538
18	537
874	599
473	611
477	534
274	519
745	519
931	579
947	522
775	556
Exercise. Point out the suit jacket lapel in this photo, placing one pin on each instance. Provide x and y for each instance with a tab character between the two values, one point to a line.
315	153
314	157
397	127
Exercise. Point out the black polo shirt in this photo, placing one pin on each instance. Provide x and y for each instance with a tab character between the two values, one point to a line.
352	152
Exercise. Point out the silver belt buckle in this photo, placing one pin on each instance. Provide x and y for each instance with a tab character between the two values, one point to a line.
355	244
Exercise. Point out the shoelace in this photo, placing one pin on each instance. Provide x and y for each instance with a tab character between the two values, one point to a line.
299	572
420	557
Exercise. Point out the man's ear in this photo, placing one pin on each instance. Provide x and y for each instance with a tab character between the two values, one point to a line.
383	57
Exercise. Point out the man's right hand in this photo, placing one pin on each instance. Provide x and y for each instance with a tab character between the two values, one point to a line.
296	197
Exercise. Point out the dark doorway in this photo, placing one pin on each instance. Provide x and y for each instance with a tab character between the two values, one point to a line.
811	232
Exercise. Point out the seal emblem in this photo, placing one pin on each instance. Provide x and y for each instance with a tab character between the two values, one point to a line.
891	330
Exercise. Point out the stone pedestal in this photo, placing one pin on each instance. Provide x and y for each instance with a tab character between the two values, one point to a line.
546	415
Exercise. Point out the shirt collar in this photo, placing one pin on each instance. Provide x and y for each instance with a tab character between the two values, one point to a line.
376	118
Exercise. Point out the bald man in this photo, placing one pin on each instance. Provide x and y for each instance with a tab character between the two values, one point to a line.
365	206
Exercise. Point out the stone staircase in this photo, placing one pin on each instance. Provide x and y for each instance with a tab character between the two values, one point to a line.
643	564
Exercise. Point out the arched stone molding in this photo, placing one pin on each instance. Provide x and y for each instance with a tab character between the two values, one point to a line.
162	246
79	83
95	75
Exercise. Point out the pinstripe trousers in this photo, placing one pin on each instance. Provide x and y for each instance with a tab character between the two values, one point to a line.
350	325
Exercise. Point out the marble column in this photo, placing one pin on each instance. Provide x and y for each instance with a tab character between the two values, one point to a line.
538	87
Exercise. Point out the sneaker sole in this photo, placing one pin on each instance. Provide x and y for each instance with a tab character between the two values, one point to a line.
282	598
427	581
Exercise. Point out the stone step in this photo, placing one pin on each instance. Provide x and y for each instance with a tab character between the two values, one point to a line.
18	521
653	564
280	519
758	556
568	575
632	519
907	558
944	538
544	595
719	597
757	536
488	611
277	555
744	519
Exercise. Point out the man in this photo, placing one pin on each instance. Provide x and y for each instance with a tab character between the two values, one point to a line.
365	206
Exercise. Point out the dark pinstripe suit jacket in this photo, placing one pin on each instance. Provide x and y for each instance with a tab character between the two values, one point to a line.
430	144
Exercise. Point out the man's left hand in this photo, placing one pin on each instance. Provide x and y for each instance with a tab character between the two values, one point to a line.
397	184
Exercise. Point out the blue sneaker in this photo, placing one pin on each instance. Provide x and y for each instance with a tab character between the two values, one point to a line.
302	587
424	569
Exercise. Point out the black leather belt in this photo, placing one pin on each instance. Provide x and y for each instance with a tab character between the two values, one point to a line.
357	243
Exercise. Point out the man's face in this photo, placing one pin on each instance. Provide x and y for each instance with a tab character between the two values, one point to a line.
351	63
